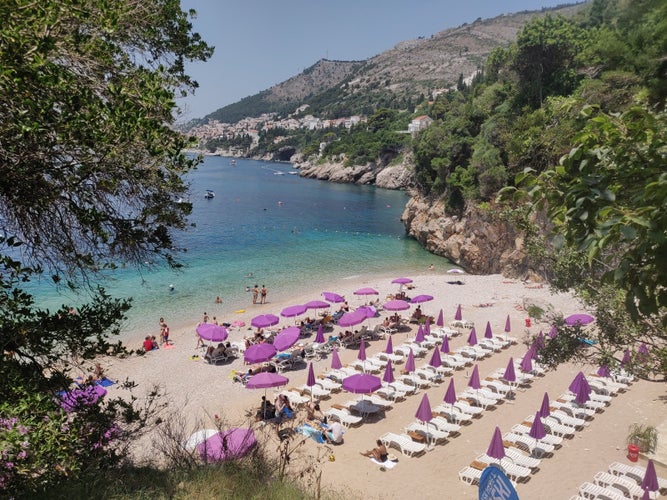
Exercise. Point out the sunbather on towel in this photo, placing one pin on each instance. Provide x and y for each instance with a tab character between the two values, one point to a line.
379	453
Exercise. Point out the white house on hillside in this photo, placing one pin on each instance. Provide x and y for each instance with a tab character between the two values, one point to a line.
420	123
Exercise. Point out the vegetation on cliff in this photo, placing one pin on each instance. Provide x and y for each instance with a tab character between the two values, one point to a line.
572	117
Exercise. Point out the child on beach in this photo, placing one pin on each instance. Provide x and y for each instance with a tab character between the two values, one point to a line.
164	332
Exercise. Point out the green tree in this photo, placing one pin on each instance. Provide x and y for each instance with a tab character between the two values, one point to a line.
607	200
544	59
89	170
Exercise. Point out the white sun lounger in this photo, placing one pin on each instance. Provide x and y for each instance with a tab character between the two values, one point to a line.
468	408
329	384
341	373
400	386
432	434
512	470
590	490
415	380
470	475
442	424
453	414
317	391
625	484
295	398
402	442
454	360
497	386
343	416
520	458
549	439
530	445
635	472
395	358
430	375
390	393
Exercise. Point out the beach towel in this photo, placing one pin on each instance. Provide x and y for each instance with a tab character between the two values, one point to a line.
105	382
168	346
387	464
311	432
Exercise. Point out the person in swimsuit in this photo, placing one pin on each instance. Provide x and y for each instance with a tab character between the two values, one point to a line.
379	453
255	294
263	294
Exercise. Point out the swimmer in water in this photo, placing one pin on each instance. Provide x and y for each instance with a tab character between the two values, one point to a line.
171	287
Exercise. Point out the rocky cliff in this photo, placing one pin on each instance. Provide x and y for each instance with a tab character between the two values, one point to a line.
390	177
477	241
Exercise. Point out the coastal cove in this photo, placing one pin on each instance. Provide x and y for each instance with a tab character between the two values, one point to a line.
284	231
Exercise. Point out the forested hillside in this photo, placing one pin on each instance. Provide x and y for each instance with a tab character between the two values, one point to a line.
569	123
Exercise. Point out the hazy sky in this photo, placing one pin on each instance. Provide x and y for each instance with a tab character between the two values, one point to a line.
259	43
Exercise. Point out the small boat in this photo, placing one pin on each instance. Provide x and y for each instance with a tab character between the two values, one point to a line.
209	194
293	172
232	163
278	172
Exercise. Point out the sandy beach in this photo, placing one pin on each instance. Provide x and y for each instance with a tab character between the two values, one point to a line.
205	390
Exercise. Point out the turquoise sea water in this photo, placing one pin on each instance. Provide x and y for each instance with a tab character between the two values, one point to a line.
293	234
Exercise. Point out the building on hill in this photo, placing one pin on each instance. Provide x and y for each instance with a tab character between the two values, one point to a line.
420	123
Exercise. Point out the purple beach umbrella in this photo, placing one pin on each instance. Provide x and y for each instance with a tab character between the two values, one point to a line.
538	343
317	304
368	311
553	332
264	380
388	373
410	363
604	371
362	351
580	388
496	448
293	311
488	334
212	332
419	338
508	326
401	281
424	412
450	394
396	305
435	360
227	445
472	338
650	479
579	319
441	319
420	299
474	379
264	320
427	326
258	353
310	380
526	364
510	373
361	383
390	346
642	350
626	357
351	318
545	409
286	338
459	315
319	338
333	297
335	360
537	429
366	291
445	344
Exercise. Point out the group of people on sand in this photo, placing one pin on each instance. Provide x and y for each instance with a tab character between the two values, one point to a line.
150	342
259	294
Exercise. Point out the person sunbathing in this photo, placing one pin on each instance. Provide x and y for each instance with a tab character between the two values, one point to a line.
379	453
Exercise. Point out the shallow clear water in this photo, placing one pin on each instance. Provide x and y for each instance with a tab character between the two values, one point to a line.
291	233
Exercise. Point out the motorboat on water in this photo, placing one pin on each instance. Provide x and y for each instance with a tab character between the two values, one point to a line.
209	194
232	163
278	172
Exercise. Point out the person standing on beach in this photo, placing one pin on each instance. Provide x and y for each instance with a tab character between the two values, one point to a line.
255	294
164	332
263	294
